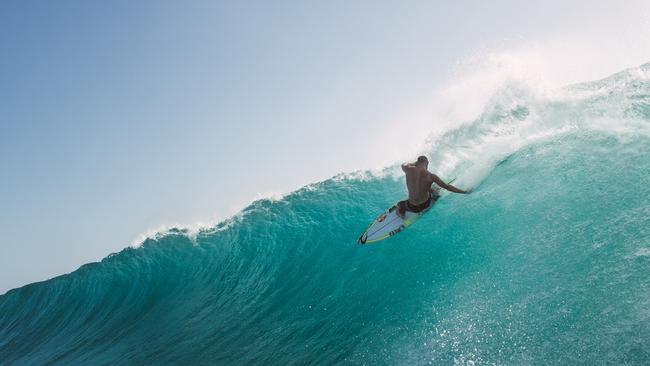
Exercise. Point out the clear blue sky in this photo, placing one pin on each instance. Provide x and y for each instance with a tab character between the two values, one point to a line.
120	116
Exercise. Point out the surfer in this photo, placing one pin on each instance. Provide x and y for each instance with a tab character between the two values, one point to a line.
421	197
418	182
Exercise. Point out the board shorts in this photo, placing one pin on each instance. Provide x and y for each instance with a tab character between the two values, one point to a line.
408	206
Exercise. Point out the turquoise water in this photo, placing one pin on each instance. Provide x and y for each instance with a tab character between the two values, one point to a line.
547	262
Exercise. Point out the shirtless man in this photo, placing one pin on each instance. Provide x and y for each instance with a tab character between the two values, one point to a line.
418	182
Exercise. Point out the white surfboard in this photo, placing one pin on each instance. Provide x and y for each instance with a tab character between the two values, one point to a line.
390	223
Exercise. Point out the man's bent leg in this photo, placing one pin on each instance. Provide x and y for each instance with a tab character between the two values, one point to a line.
402	207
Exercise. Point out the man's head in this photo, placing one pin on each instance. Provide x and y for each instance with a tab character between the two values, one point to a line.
422	161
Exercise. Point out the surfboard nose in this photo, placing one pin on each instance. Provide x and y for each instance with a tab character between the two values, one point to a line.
363	238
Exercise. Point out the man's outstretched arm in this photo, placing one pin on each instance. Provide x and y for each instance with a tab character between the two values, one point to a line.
448	187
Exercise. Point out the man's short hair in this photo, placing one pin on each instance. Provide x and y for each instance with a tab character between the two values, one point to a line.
423	159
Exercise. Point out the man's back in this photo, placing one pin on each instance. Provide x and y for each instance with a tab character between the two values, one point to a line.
418	182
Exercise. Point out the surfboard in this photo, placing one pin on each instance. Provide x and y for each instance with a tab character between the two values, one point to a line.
390	223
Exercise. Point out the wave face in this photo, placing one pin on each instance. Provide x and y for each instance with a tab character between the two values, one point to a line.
548	262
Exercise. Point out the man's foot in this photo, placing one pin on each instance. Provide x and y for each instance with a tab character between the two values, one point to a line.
401	209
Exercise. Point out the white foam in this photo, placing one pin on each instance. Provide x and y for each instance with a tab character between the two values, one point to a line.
643	252
465	143
191	230
216	223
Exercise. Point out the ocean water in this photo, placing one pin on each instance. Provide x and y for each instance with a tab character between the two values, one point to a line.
547	262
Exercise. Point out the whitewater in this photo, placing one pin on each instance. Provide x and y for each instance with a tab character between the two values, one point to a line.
547	262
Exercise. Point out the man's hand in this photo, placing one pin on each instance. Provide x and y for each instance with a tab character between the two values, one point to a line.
407	166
